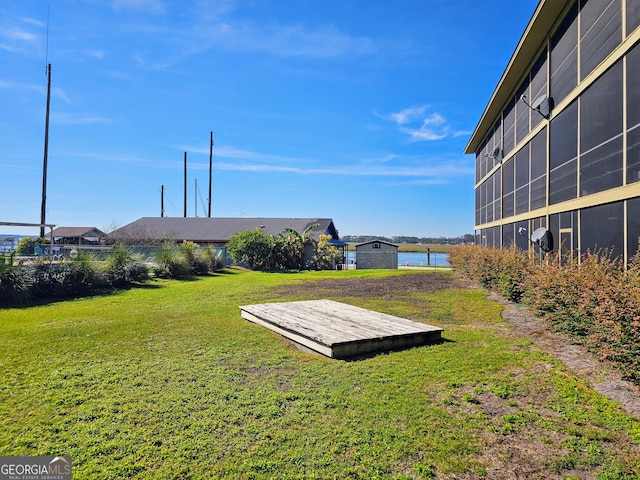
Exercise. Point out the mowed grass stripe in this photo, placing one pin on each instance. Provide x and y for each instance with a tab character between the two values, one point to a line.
168	381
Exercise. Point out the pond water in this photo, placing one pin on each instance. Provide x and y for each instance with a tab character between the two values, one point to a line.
413	259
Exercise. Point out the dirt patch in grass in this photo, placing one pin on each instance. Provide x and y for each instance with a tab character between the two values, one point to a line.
524	436
377	287
602	378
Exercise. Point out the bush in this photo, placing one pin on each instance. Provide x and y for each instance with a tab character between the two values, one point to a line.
27	245
169	262
12	286
194	258
251	247
124	268
215	258
327	255
594	300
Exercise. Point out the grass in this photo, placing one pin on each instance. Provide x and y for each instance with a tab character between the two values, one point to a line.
167	381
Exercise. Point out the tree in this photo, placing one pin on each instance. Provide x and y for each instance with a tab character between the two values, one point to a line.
27	245
251	247
327	255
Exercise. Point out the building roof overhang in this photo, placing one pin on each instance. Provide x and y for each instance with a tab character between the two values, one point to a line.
534	36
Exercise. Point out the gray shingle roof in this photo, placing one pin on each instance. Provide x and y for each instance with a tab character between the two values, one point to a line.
74	232
218	229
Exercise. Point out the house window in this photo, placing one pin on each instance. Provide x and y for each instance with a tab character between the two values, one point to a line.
376	244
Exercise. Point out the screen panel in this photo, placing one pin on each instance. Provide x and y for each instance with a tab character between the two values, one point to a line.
563	136
602	229
601	168
601	109
633	16
601	32
564	56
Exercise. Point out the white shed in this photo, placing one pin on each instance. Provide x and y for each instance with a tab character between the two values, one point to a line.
376	254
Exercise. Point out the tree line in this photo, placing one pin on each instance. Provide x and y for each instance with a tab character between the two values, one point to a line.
466	239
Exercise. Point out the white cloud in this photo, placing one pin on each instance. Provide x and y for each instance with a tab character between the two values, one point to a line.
58	92
71	119
432	126
409	114
153	6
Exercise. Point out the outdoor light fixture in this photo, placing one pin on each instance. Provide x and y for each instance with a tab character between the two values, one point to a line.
542	105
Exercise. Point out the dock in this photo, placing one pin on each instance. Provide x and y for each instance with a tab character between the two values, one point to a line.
338	330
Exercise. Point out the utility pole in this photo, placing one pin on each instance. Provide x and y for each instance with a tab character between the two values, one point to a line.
43	207
210	170
185	184
162	201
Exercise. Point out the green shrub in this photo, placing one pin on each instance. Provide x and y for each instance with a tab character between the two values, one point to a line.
12	286
124	267
592	299
214	258
170	263
27	245
194	258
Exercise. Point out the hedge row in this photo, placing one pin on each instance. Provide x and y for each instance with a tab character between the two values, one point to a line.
594	300
84	273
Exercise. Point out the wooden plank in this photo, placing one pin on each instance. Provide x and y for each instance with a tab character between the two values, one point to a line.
339	330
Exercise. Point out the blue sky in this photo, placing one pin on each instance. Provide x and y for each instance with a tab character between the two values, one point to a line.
357	110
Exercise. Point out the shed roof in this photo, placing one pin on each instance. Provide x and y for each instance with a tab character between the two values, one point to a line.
376	241
220	229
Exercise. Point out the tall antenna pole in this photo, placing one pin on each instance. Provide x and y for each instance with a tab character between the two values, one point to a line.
210	170
43	207
162	201
195	196
185	184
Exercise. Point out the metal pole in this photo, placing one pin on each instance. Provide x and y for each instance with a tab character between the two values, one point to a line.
162	201
43	207
185	184
195	196
210	171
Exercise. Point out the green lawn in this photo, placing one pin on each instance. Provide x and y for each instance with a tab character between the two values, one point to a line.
168	381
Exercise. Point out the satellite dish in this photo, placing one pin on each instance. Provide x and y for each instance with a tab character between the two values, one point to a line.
542	237
537	103
537	234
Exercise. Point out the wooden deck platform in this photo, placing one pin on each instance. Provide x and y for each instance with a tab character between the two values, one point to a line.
338	330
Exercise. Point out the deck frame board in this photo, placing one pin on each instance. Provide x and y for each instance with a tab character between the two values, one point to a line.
339	330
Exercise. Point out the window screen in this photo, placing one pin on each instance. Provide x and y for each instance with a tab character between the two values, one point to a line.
633	226
522	111
602	228
633	15
601	109
563	138
633	155
563	150
508	188
522	180
538	84
508	235
509	126
601	168
601	32
522	239
601	133
633	85
563	182
564	56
